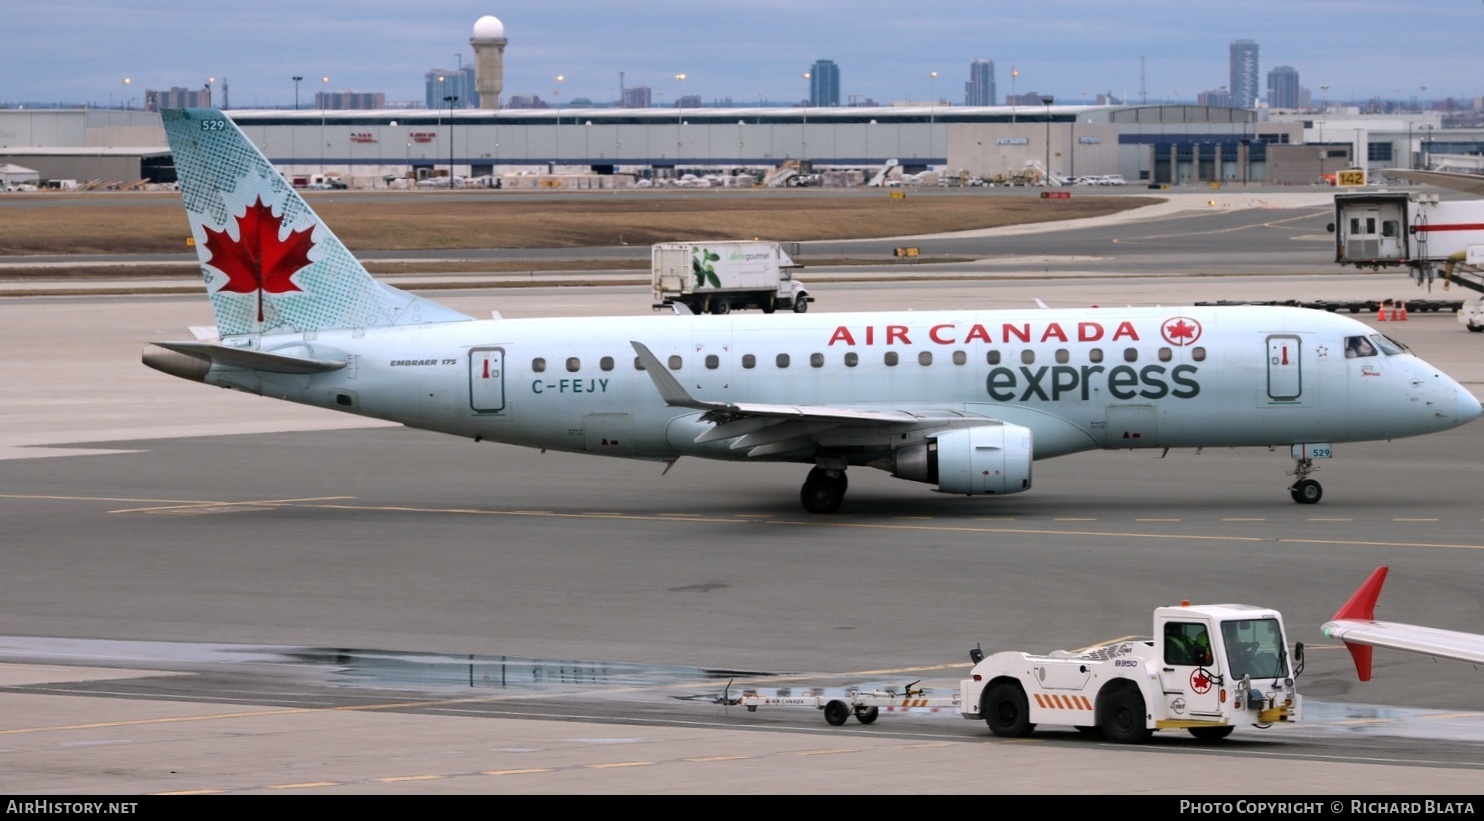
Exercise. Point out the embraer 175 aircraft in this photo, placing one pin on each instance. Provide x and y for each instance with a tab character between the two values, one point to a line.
960	399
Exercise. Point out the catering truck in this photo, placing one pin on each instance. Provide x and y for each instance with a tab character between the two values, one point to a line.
718	277
1206	670
1436	239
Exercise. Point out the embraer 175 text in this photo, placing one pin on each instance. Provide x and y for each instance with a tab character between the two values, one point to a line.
960	399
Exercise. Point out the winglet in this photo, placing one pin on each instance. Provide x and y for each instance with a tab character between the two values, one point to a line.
1362	607
668	386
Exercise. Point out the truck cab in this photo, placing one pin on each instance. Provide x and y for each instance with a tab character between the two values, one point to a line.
1206	670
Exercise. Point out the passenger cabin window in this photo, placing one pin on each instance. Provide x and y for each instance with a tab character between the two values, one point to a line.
1095	355
1165	354
852	359
925	358
1130	354
749	361
781	360
960	358
573	364
1027	357
675	362
1063	356
816	360
638	365
1198	354
993	357
712	362
538	365
891	358
606	363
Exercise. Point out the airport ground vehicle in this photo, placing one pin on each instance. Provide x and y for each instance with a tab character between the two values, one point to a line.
718	277
1435	238
1207	669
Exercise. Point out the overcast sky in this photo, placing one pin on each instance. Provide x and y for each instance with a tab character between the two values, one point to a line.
80	52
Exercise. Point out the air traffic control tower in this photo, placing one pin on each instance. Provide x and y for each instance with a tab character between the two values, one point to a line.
489	60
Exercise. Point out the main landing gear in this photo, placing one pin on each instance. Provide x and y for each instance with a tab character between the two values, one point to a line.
824	490
1305	491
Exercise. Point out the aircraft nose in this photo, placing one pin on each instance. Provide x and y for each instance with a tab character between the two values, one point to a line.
1468	406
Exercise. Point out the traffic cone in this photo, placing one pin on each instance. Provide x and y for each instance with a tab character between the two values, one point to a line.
1403	315
1381	311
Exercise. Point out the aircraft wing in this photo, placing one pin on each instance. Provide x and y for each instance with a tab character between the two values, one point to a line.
1355	625
765	429
1470	183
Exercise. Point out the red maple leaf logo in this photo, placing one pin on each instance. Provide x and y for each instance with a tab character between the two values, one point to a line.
259	261
1181	331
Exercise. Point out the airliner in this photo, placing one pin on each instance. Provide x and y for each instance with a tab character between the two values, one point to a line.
963	400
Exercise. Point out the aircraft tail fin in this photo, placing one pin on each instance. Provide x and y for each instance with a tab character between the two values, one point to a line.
1362	607
270	264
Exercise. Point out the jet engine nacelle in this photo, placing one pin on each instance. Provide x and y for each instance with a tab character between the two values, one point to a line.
974	461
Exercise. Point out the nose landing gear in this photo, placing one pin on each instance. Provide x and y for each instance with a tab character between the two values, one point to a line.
1304	490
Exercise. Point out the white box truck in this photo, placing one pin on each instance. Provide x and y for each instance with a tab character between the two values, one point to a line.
718	277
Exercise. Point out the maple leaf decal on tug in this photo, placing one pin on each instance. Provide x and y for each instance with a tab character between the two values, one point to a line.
259	260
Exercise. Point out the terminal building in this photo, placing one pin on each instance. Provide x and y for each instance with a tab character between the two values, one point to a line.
1145	144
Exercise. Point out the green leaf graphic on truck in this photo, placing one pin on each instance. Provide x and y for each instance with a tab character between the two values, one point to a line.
700	265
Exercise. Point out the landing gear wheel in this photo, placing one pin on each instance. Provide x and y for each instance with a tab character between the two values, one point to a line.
823	490
1211	733
1306	491
836	712
867	715
801	305
1006	710
1123	718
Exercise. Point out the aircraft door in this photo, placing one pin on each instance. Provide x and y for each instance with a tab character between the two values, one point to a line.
1285	381
487	380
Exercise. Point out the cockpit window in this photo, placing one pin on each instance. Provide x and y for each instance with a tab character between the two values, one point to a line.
1358	346
1388	346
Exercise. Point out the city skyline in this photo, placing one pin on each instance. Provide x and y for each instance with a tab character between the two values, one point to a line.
884	51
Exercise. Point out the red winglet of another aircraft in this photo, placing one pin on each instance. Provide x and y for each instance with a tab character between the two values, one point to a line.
1362	607
1356	625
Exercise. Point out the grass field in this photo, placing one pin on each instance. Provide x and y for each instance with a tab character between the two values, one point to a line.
135	224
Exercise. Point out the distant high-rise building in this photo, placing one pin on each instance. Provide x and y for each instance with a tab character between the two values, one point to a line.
459	83
1283	87
979	90
176	97
1244	82
349	100
637	97
824	83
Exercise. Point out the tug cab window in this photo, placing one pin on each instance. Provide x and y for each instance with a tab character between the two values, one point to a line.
1187	643
1358	346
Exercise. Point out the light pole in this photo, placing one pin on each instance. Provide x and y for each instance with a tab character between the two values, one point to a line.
450	99
679	116
1014	97
558	93
933	109
209	81
1323	152
1047	100
804	132
324	83
296	80
126	83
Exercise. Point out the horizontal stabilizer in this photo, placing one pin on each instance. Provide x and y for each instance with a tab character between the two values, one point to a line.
209	354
